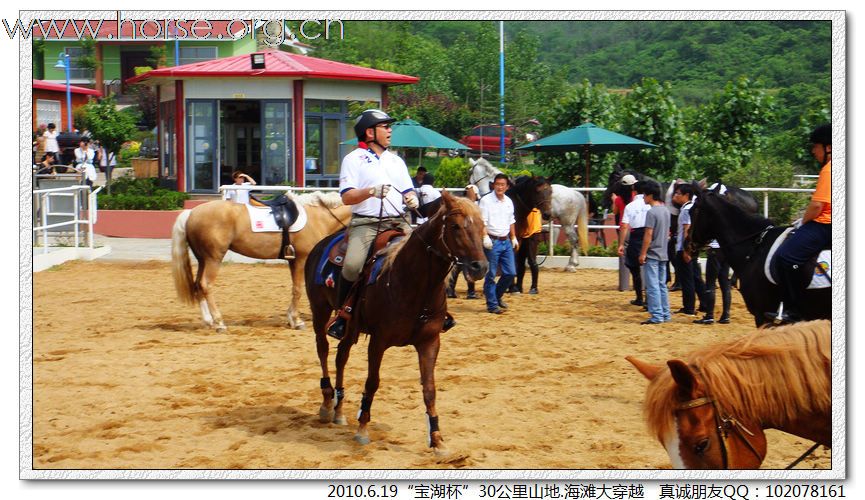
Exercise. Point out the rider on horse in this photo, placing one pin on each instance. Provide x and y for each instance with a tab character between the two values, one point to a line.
814	235
365	181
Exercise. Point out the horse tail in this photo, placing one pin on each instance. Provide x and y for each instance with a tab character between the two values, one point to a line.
181	267
583	228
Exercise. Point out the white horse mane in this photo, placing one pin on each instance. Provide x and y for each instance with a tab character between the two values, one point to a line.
330	199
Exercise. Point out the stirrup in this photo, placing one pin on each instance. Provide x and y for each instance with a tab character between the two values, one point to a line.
335	329
288	252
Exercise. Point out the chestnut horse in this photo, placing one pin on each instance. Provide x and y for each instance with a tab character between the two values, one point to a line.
213	228
405	306
710	412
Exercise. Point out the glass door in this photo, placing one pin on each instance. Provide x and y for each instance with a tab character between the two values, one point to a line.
276	143
201	146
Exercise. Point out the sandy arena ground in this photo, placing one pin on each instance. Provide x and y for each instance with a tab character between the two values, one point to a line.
127	377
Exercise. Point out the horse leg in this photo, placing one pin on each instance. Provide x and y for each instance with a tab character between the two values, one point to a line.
532	256
327	412
342	351
374	356
427	353
574	241
297	279
206	278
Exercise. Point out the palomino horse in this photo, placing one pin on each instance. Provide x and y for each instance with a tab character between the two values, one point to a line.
710	412
213	228
529	193
746	239
405	306
568	206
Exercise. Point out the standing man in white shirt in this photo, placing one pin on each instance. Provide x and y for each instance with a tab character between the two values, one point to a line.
377	183
499	243
631	229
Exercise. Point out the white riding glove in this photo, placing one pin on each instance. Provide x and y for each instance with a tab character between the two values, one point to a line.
515	242
379	191
797	223
488	242
411	200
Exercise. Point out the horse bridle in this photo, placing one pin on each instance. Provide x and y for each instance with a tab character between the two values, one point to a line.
724	424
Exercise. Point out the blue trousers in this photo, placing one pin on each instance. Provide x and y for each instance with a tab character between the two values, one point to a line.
657	300
501	257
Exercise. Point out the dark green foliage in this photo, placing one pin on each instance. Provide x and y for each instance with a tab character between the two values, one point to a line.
141	194
763	171
649	113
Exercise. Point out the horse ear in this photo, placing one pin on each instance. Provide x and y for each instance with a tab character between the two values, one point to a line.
717	187
648	371
447	198
703	183
684	377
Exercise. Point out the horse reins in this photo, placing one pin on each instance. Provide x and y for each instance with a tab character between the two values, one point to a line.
724	423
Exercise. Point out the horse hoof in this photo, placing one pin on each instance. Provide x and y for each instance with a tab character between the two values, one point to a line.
300	325
570	269
221	329
326	415
361	439
340	420
441	452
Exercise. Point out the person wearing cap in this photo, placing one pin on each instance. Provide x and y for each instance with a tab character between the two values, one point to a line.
427	194
631	229
814	234
376	183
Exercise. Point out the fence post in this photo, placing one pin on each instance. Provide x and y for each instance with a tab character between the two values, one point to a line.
766	204
46	205
76	199
550	245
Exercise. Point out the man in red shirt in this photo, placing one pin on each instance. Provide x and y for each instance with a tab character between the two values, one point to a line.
814	235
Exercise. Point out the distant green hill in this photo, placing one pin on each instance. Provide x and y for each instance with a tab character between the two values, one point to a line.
697	57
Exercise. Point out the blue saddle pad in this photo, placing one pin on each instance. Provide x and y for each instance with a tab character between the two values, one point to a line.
326	272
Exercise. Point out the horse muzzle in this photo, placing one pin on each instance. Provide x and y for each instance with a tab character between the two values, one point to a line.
477	269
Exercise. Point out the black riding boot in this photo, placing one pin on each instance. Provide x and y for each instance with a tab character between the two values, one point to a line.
790	282
337	328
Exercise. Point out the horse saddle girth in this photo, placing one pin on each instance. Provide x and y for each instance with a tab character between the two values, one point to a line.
819	268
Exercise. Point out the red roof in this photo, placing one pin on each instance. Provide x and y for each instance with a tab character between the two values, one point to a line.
280	64
60	87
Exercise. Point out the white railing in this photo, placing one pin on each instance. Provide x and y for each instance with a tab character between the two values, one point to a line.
552	226
42	200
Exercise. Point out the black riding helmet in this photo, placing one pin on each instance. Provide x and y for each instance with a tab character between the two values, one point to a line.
822	134
370	118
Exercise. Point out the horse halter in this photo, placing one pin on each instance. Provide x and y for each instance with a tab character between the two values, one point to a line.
724	424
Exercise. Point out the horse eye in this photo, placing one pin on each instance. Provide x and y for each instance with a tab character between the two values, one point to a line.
701	446
455	226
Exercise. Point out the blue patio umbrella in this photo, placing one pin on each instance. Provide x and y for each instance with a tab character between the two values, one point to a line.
588	138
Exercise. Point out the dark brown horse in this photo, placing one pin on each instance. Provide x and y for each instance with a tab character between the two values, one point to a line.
405	306
710	412
527	194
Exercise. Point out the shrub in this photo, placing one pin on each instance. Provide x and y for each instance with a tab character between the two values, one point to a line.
141	194
452	172
762	171
565	249
129	151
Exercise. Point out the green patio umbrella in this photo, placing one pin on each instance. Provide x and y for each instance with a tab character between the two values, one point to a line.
411	134
588	138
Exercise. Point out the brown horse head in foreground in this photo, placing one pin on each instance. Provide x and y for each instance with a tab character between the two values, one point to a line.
710	412
212	229
405	306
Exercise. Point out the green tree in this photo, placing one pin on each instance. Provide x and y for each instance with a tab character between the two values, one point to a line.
582	103
764	171
110	127
649	113
727	132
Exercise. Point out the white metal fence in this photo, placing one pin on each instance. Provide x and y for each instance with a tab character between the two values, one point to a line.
45	209
552	227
